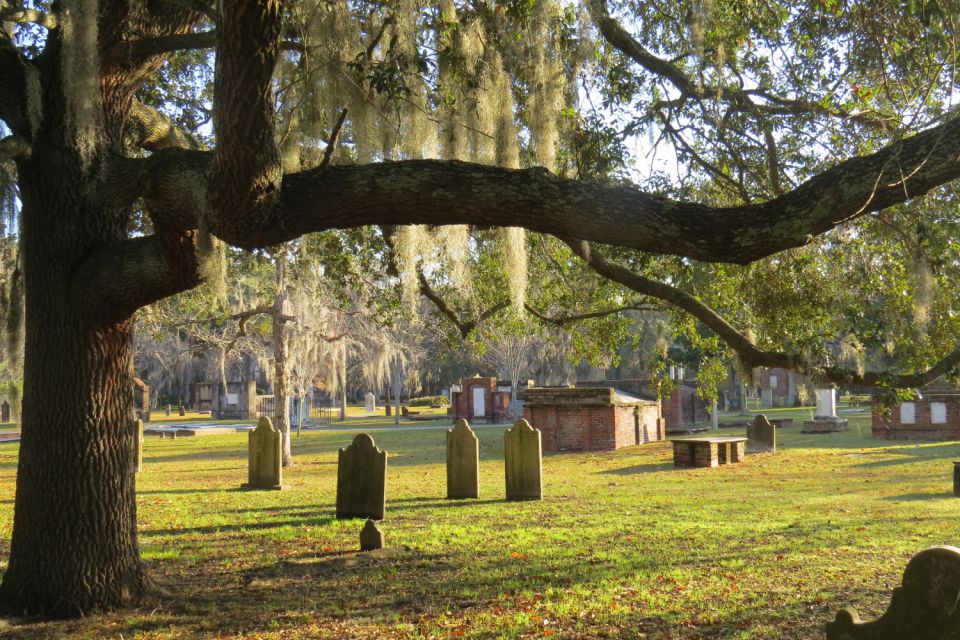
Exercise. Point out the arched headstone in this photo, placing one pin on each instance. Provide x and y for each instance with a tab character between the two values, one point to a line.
361	480
264	457
523	462
761	435
925	607
463	462
371	538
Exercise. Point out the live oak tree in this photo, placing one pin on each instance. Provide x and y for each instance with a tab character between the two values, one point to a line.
121	206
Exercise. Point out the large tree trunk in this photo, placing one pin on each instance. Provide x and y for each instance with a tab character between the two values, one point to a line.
74	546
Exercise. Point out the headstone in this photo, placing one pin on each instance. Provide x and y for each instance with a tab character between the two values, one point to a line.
956	478
761	435
361	480
5	411
183	411
826	403
766	398
923	608
371	537
523	462
370	403
463	462
168	410
264	457
137	446
388	410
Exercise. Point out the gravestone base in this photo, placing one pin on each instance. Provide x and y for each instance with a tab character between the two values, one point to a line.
824	424
246	486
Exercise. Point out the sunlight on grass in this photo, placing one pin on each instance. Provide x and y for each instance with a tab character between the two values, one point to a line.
623	544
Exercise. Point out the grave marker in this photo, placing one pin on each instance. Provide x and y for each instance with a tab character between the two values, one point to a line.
370	403
361	480
137	446
761	435
371	537
523	462
463	462
264	457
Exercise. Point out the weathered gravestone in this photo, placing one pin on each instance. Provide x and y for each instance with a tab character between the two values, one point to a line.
361	480
761	435
183	411
264	457
5	411
168	413
463	462
370	403
137	446
371	537
925	607
523	462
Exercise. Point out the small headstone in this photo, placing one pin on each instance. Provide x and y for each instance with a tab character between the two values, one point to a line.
388	410
766	398
923	608
523	462
361	480
463	462
370	403
370	536
5	411
183	411
168	410
264	457
761	435
137	446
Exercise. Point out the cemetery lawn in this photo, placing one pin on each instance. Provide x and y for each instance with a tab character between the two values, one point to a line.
622	545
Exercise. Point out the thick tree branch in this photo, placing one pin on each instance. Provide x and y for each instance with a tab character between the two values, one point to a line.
154	131
13	148
21	15
741	344
13	90
562	321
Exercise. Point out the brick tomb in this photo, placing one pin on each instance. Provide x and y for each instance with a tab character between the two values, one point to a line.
935	417
480	400
591	418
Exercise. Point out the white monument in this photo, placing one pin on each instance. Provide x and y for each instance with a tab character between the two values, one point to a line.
370	402
826	403
825	419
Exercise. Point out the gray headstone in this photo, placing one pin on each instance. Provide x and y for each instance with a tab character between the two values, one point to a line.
168	410
264	457
361	480
761	435
137	446
371	537
925	607
370	402
463	462
523	462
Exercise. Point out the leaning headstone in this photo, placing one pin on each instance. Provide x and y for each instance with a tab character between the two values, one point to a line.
264	457
361	480
370	403
761	435
463	462
523	462
923	608
137	446
371	537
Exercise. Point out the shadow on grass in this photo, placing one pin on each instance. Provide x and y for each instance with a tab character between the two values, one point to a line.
160	492
921	497
317	521
638	469
407	504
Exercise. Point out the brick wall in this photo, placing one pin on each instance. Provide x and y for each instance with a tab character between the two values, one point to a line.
683	408
889	426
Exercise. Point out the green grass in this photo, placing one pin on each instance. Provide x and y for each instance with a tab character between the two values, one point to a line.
622	546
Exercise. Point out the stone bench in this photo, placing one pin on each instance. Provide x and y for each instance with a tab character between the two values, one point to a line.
708	452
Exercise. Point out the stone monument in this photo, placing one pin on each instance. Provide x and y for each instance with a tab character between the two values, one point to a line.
924	607
463	462
371	537
370	403
265	470
761	435
137	446
825	420
523	462
361	480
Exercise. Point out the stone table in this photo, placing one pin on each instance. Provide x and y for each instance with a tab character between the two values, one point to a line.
708	452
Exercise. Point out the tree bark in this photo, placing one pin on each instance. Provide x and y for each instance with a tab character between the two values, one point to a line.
281	393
